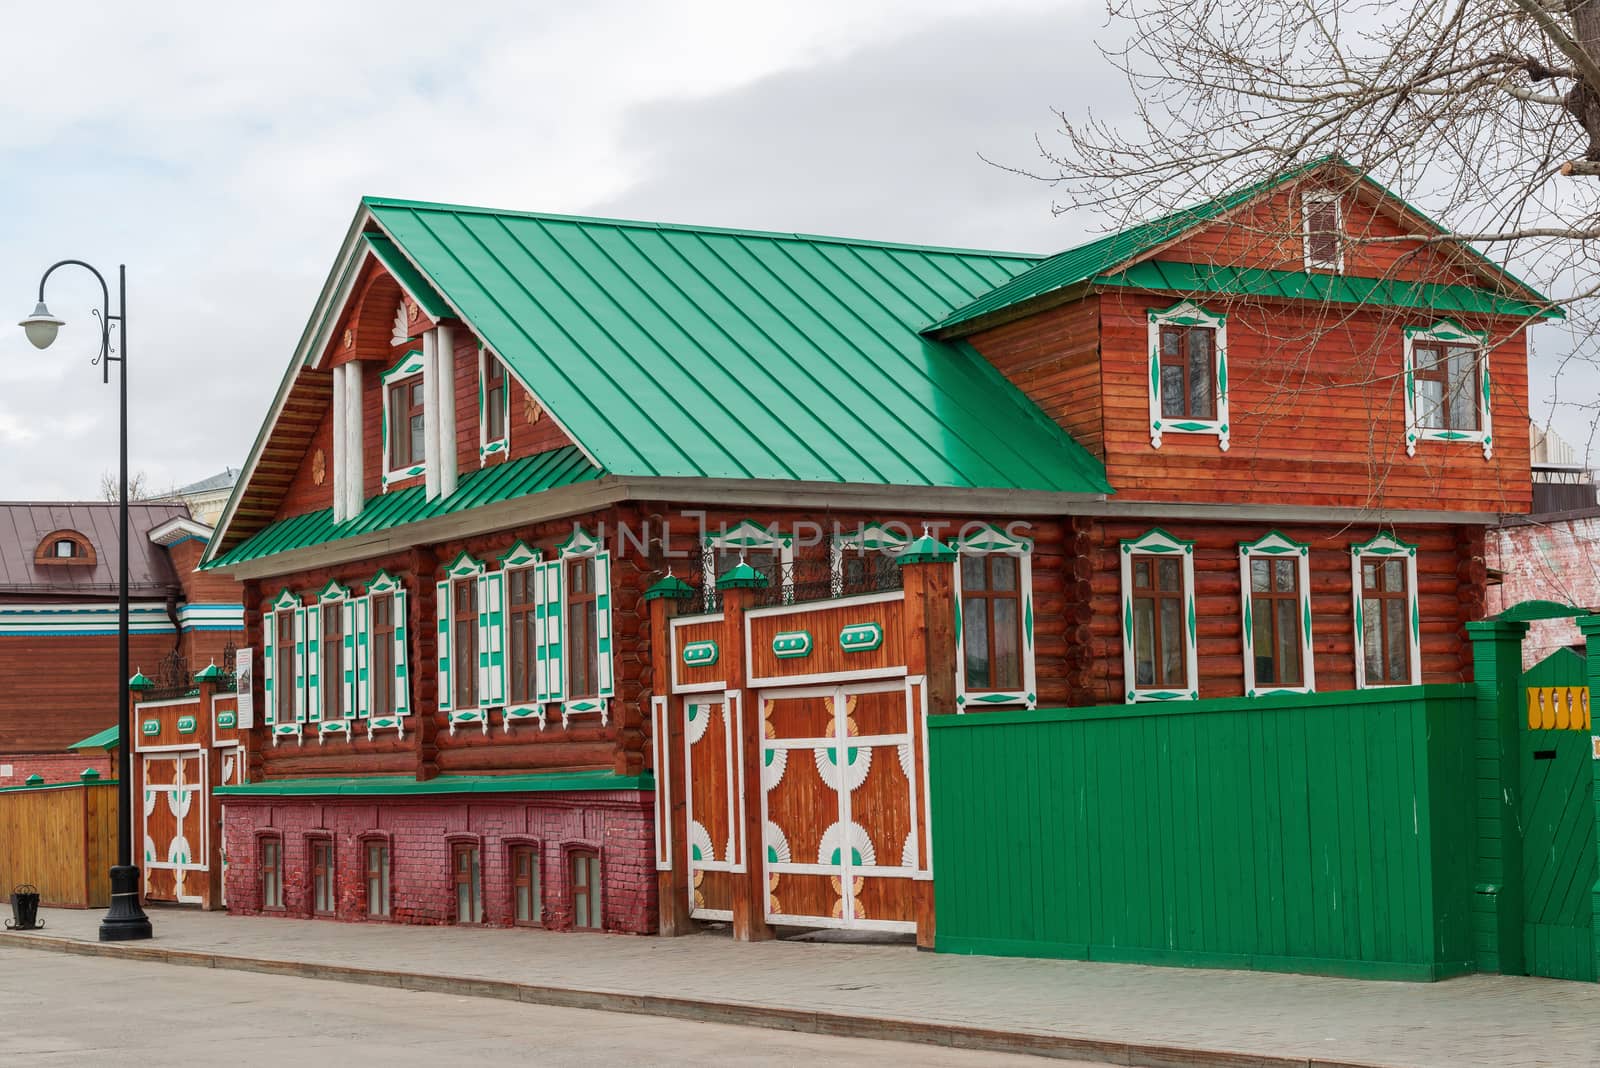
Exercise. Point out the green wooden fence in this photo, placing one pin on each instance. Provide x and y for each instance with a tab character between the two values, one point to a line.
1327	833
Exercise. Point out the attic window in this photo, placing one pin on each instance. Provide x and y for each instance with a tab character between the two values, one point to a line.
1324	232
64	547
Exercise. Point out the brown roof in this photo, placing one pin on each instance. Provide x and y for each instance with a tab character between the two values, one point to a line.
24	524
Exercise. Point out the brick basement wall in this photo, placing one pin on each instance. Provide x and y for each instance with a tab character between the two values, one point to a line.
1552	561
420	833
55	767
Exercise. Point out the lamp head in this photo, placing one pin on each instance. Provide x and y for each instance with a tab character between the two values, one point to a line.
41	326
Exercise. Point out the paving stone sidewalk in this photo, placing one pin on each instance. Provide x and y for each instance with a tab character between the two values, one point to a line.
1136	1014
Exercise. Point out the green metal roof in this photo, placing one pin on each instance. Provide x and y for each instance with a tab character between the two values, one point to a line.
1335	288
400	785
680	352
1102	256
500	482
106	739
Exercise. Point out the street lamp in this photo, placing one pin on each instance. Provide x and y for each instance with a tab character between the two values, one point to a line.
125	921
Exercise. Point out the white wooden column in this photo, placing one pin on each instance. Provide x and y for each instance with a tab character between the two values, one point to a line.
340	445
445	353
430	412
355	439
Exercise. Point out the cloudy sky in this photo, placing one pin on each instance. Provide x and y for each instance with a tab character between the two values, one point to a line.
220	154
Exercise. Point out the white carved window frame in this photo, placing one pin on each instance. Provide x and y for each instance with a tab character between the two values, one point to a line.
983	539
520	557
1158	544
1450	333
1309	200
584	546
384	584
1274	546
1383	548
502	444
1187	313
409	366
745	535
463	569
336	598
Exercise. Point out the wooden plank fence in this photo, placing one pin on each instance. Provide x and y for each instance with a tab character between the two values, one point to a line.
62	838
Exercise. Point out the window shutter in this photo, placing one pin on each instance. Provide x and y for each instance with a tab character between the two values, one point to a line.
269	629
442	604
299	665
352	647
491	638
602	621
552	680
402	671
314	663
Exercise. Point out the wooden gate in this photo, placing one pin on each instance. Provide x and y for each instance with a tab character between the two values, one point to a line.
715	802
840	797
174	826
1558	821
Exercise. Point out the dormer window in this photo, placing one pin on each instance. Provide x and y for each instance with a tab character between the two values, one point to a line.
493	405
64	547
1324	232
406	438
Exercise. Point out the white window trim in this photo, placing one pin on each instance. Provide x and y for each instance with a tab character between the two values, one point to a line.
520	557
868	538
1319	197
745	534
502	444
464	569
336	598
982	540
1187	313
1386	547
584	546
287	602
381	584
1274	546
1159	543
1451	332
410	365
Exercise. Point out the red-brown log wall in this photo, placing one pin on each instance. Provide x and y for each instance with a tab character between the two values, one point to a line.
60	690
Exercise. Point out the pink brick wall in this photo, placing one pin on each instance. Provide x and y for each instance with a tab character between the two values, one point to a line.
1557	561
420	832
55	767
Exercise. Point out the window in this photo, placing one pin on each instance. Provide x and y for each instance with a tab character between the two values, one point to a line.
1275	578
1188	372
1188	376
1158	624
586	897
994	624
377	855
407	439
522	633
494	399
582	652
284	669
380	649
271	873
527	907
464	642
761	547
335	695
1324	231
322	899
991	625
1447	386
1384	581
467	875
66	549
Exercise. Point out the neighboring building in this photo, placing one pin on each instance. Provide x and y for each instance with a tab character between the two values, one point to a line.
207	498
58	622
1553	553
601	573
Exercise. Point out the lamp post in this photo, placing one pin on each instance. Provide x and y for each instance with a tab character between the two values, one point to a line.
125	920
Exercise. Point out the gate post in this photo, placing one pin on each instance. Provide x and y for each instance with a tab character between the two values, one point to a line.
672	884
1497	864
738	587
928	574
1590	626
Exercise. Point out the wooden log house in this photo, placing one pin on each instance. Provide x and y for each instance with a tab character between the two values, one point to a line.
602	574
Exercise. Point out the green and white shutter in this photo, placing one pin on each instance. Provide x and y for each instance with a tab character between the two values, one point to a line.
548	616
602	624
491	640
358	617
402	666
299	665
313	646
269	631
442	606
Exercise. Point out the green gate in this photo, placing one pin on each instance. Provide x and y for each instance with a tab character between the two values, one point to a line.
1558	820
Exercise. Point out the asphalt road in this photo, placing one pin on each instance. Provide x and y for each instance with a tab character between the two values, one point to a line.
62	1009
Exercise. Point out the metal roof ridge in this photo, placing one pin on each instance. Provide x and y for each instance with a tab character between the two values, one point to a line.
735	231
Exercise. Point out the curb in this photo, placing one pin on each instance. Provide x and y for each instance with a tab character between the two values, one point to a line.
699	1010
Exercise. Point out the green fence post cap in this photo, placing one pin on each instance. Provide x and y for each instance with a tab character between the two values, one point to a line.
927	550
140	682
670	587
34	780
742	576
208	673
89	775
